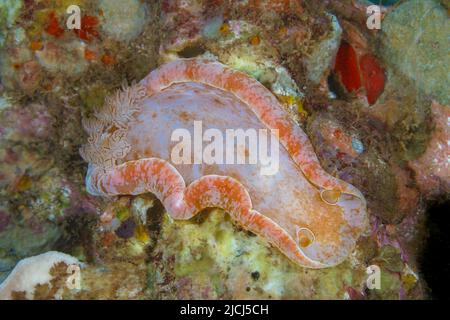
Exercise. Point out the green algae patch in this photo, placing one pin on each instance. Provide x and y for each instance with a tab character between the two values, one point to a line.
212	255
415	38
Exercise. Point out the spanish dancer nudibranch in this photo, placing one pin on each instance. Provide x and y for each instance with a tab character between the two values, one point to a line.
312	217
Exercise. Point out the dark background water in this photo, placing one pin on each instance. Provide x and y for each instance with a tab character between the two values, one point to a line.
435	262
384	2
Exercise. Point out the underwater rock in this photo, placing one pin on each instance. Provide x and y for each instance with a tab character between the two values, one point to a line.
33	193
432	169
408	196
183	21
31	123
23	130
123	20
250	36
120	273
67	58
9	11
30	76
211	258
5	101
37	275
323	53
415	42
5	218
33	237
244	48
19	69
338	138
351	156
35	199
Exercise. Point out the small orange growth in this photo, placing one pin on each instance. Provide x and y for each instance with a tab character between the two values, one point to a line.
225	29
340	154
17	66
108	239
36	45
89	55
88	28
255	40
53	27
283	31
108	60
338	133
21	183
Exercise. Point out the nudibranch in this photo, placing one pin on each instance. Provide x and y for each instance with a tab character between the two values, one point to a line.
312	217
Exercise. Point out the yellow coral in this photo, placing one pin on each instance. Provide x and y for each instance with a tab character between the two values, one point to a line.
141	234
225	29
296	102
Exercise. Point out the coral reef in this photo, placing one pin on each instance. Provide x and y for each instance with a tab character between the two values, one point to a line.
386	134
123	20
415	37
432	169
9	11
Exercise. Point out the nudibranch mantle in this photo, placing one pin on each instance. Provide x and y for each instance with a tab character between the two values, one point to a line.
312	217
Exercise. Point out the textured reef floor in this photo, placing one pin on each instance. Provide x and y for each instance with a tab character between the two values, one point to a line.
374	104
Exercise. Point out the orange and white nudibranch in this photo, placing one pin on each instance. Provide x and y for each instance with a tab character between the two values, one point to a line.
312	217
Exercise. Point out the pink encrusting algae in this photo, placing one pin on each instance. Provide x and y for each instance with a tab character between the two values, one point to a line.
312	217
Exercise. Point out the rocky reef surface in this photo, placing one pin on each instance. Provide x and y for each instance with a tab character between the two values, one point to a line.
374	104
